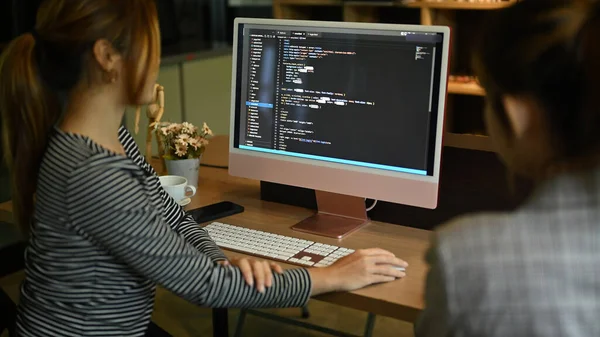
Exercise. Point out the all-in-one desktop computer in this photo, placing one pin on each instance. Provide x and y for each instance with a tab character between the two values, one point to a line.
351	110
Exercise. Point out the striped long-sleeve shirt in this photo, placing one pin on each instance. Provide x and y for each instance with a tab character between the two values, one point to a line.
105	234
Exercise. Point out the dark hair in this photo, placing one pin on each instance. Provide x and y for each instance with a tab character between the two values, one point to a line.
547	50
36	66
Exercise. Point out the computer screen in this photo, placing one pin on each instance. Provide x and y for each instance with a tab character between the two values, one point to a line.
351	109
359	97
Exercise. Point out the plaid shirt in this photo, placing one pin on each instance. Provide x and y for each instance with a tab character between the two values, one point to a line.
534	272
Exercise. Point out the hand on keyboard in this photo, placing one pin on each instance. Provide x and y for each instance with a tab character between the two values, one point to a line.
256	272
338	269
358	270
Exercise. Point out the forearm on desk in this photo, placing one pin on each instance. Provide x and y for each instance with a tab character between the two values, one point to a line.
186	226
199	238
290	289
160	252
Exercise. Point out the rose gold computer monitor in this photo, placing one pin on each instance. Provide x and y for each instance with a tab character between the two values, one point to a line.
351	110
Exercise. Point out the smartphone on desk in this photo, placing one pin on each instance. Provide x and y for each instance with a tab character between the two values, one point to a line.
215	211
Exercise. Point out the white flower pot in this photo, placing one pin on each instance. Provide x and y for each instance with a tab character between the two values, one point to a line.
188	168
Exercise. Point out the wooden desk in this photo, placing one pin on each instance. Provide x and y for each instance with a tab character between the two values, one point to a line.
401	299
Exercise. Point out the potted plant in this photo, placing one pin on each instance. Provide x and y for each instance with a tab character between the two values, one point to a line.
184	145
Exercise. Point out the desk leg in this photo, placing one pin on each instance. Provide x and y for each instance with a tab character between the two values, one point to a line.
370	325
220	323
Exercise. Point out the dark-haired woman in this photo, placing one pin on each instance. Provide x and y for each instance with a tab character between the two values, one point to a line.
534	272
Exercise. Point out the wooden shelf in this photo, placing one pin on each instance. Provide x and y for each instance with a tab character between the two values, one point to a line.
436	12
412	4
459	88
468	141
459	5
371	3
310	2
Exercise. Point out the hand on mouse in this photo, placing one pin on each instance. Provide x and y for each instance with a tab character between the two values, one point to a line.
358	270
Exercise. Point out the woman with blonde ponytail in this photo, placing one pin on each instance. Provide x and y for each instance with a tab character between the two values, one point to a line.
103	233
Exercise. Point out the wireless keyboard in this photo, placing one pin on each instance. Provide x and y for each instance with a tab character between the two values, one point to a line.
276	247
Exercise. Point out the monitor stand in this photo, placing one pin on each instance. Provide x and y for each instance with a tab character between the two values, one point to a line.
338	215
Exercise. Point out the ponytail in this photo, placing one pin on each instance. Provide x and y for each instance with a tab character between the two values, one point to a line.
29	111
35	68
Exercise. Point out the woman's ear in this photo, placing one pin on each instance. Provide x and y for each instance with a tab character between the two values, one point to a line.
522	113
105	55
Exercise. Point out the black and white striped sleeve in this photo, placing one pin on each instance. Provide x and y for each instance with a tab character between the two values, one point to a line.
174	214
113	208
185	225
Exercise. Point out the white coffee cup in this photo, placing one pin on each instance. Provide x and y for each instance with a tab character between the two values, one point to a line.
177	187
